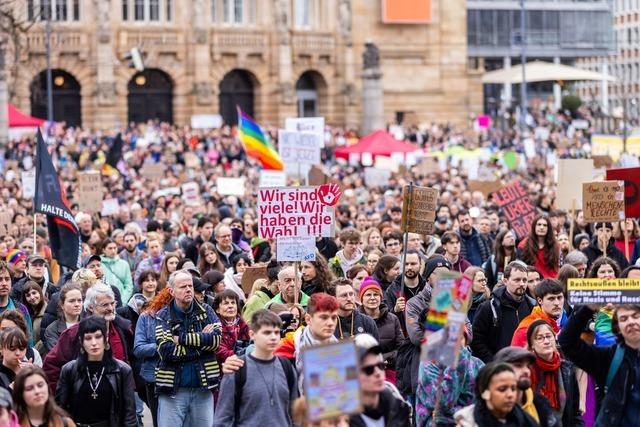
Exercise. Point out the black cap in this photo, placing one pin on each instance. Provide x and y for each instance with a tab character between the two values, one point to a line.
191	268
200	286
212	277
514	354
435	262
91	258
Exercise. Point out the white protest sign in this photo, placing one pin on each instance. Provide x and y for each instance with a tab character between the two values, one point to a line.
298	148
206	121
272	179
110	207
191	193
28	184
298	212
570	174
296	249
388	163
314	125
230	186
376	177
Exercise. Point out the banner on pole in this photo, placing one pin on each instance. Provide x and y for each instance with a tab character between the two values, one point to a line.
603	201
516	205
419	209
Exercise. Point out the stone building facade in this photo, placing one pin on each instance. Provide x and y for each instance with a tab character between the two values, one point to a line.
274	58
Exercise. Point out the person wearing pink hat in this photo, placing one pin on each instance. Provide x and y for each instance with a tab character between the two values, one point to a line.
17	262
388	324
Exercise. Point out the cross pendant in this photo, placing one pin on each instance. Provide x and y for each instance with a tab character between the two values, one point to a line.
94	395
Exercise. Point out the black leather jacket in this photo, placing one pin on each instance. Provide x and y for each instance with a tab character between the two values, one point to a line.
120	376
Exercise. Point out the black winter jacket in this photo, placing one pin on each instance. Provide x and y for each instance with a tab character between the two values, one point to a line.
120	376
393	292
593	252
495	322
396	412
390	332
596	361
362	324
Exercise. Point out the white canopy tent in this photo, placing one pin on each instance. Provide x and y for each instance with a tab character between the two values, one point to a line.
540	71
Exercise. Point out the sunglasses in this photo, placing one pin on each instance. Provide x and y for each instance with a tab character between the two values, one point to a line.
369	370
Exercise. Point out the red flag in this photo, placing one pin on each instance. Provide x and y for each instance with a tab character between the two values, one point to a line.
631	178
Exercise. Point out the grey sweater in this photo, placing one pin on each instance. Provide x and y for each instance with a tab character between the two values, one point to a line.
264	379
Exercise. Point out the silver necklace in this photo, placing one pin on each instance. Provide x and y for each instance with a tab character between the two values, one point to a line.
96	380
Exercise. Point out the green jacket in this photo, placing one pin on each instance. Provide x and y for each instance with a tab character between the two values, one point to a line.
253	304
117	273
304	300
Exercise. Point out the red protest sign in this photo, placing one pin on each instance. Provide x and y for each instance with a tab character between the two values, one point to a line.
631	178
515	204
297	212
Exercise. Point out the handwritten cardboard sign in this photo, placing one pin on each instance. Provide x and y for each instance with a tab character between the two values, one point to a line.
296	249
312	125
571	173
297	212
250	275
90	192
603	201
485	187
317	176
152	171
429	164
516	205
419	209
298	148
331	380
602	161
604	291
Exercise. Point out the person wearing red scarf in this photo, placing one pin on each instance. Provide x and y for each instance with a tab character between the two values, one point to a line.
551	376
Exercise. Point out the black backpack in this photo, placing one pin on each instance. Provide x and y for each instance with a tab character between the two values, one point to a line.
241	379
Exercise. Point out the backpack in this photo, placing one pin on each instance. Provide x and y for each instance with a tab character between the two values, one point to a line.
241	379
406	357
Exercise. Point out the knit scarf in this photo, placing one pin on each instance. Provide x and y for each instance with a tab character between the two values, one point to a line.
547	379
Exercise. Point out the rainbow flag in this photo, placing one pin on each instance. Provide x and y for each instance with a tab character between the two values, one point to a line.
256	144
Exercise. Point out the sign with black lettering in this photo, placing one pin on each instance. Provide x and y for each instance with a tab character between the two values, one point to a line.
603	201
516	205
419	209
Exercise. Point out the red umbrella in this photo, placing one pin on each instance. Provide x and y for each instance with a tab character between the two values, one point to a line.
18	119
377	143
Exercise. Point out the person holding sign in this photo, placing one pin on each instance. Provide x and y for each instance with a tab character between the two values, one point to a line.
602	244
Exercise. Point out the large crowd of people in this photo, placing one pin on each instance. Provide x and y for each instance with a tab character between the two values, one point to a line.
158	314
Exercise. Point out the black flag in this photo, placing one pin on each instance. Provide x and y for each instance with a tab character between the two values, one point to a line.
113	157
64	235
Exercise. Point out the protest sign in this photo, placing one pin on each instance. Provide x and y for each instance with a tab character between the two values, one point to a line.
419	209
603	291
571	173
230	186
270	178
429	164
28	184
376	177
298	148
313	125
602	161
191	193
300	211
446	318
331	380
317	176
516	205
631	178
152	171
296	249
110	207
206	121
90	192
383	162
603	201
6	219
485	187
250	275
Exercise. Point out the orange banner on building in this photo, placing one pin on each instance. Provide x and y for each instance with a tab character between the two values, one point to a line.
406	11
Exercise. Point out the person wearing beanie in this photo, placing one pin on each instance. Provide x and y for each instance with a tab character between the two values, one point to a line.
17	262
603	244
351	322
389	328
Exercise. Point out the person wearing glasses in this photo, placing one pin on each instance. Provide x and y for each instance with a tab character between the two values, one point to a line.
351	322
393	243
479	290
99	301
382	403
225	246
497	319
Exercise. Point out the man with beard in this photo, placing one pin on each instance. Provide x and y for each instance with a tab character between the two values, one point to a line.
532	403
615	368
497	319
473	247
99	301
396	296
131	253
550	297
351	322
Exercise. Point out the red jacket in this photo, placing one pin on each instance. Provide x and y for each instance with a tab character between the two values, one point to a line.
231	333
520	335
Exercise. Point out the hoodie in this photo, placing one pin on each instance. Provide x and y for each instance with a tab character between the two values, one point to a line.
593	252
117	273
339	264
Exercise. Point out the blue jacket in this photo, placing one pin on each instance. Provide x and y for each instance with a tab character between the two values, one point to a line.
195	351
144	346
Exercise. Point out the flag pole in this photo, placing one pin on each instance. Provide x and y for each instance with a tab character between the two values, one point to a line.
35	244
405	240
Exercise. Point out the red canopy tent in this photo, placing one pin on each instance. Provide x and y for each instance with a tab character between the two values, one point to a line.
17	119
377	143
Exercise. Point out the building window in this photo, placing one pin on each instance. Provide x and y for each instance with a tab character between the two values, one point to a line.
303	13
56	10
147	10
233	12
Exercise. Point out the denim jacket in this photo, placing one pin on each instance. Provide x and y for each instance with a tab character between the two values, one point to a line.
144	346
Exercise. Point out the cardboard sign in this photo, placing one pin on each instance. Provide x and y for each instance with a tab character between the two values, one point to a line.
602	161
516	205
313	125
631	178
297	212
90	192
485	187
429	164
331	380
571	173
603	291
250	275
110	207
383	162
296	249
270	179
376	177
6	218
317	176
28	184
231	186
446	317
298	148
191	193
603	201
152	171
419	209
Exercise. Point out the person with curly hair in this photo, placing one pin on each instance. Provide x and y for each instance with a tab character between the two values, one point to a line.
316	275
540	248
